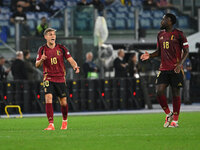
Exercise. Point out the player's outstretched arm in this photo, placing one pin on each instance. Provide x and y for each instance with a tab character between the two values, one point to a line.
146	55
74	64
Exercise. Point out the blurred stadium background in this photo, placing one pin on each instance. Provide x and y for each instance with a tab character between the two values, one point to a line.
131	27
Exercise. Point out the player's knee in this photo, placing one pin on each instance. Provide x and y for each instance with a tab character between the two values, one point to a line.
48	98
63	102
160	92
175	92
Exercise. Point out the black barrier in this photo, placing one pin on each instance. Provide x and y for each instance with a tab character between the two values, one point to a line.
2	97
83	95
99	95
74	95
91	94
115	94
106	93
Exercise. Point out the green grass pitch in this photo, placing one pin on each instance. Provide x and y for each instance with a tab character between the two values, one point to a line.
109	132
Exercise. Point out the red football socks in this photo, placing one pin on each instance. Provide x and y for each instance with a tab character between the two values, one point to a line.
163	103
176	107
49	111
64	110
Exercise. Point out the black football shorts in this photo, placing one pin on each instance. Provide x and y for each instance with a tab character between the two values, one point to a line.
58	89
170	78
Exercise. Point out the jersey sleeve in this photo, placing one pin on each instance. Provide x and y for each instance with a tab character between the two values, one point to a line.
183	41
39	53
66	53
158	44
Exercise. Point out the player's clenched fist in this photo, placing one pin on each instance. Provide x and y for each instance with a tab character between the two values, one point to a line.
177	68
77	69
43	57
144	56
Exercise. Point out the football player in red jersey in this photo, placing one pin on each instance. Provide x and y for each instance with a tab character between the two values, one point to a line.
172	47
51	56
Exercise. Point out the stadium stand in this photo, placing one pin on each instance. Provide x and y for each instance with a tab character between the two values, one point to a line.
119	17
31	24
56	23
183	22
81	24
156	23
31	15
130	23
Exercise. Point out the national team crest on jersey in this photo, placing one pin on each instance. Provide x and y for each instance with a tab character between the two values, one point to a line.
58	52
172	37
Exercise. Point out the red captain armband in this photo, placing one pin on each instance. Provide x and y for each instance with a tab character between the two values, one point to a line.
185	45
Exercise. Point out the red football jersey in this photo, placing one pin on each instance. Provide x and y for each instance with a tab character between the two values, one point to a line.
53	66
171	45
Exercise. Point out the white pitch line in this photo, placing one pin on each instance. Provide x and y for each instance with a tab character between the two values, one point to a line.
184	108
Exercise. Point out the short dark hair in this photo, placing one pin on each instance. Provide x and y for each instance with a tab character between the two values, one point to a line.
43	18
131	57
172	17
26	52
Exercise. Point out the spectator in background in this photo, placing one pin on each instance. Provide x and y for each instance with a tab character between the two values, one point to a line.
89	67
23	3
42	27
126	2
18	67
33	6
163	3
45	6
120	65
28	65
98	5
82	6
149	4
3	71
83	3
187	67
1	3
133	68
20	16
